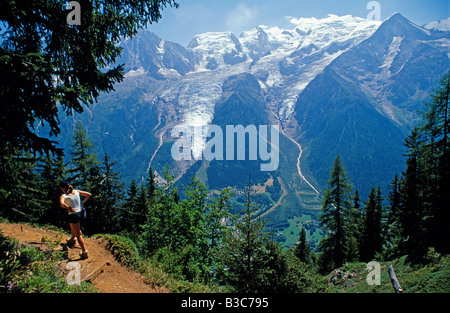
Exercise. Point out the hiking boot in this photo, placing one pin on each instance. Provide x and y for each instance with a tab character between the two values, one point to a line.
84	255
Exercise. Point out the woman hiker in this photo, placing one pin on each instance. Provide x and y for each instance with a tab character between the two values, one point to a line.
70	200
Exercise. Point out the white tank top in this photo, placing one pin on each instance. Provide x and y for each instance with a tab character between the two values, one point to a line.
73	201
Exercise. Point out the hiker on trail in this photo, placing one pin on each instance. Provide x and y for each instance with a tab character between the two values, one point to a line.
70	200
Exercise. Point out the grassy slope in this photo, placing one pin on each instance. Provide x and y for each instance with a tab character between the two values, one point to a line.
433	277
430	278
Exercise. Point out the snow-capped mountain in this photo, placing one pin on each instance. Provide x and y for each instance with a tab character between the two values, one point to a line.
151	55
443	25
217	49
298	55
280	59
340	84
283	60
373	93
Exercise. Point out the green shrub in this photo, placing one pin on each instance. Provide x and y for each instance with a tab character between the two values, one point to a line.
29	270
124	250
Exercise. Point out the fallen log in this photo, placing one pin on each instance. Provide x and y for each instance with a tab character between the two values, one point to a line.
394	280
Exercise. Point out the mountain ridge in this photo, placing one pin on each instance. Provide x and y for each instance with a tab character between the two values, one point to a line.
378	77
334	85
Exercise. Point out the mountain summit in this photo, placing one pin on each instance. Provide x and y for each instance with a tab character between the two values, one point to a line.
340	84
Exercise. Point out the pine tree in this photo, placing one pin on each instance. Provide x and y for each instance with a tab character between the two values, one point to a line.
129	217
192	230
371	237
393	231
138	208
20	198
245	249
411	211
159	229
84	158
379	221
110	194
193	212
435	161
52	172
45	63
151	184
356	201
184	235
217	218
150	236
10	171
394	201
423	213
335	216
355	225
84	173
217	229
302	249
275	278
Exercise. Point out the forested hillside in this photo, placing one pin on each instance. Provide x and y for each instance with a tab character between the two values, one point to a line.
222	240
200	237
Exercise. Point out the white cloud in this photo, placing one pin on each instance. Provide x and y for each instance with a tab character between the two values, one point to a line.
241	18
311	23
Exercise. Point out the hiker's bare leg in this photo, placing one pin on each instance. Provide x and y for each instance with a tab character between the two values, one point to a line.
71	242
72	233
76	230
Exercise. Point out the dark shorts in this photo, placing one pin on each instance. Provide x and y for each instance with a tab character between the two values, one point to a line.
75	217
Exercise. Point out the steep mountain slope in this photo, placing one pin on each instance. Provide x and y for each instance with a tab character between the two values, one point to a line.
168	84
298	55
373	93
157	57
335	85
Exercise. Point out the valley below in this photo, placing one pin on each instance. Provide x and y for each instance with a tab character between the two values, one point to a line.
338	85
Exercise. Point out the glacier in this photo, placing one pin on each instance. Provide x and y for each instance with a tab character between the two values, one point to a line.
183	85
337	85
283	60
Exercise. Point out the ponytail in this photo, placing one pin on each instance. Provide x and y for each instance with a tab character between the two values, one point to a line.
66	185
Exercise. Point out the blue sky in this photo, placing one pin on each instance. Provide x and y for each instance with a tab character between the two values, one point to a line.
198	16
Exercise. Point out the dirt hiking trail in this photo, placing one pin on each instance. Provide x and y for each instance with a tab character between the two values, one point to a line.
101	268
